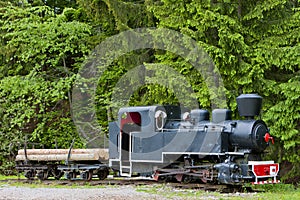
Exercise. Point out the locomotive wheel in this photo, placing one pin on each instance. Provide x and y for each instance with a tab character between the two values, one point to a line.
206	174
102	174
162	179
204	180
187	179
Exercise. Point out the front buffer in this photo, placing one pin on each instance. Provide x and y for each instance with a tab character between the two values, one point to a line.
264	170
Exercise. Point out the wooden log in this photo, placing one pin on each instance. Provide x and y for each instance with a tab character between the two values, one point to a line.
58	157
62	154
60	151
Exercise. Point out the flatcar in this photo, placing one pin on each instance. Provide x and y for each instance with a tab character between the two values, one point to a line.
72	163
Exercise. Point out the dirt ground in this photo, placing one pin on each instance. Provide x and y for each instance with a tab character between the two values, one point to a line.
124	192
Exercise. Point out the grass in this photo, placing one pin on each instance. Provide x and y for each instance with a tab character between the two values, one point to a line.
10	180
3	177
269	192
278	191
168	192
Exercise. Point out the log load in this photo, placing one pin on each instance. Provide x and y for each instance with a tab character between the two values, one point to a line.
62	155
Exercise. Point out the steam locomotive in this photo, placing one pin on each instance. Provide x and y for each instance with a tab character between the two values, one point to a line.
169	143
187	146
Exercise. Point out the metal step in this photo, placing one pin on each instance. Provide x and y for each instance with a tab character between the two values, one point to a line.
127	169
125	174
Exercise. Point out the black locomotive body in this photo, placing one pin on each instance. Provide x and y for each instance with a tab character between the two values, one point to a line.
174	144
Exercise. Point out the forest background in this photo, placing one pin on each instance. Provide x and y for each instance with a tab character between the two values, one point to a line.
254	44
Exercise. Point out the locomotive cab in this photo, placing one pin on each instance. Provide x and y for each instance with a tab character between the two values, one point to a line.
135	134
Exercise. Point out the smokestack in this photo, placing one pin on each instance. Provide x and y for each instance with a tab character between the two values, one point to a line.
249	105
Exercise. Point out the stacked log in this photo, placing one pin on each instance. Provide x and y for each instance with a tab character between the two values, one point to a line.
62	154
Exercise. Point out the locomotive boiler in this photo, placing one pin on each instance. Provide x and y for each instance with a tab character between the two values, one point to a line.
168	142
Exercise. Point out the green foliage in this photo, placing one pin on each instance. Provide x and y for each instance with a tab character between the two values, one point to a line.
60	5
284	117
122	14
255	46
34	39
108	17
40	55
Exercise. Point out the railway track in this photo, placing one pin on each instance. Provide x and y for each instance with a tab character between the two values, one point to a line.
134	182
